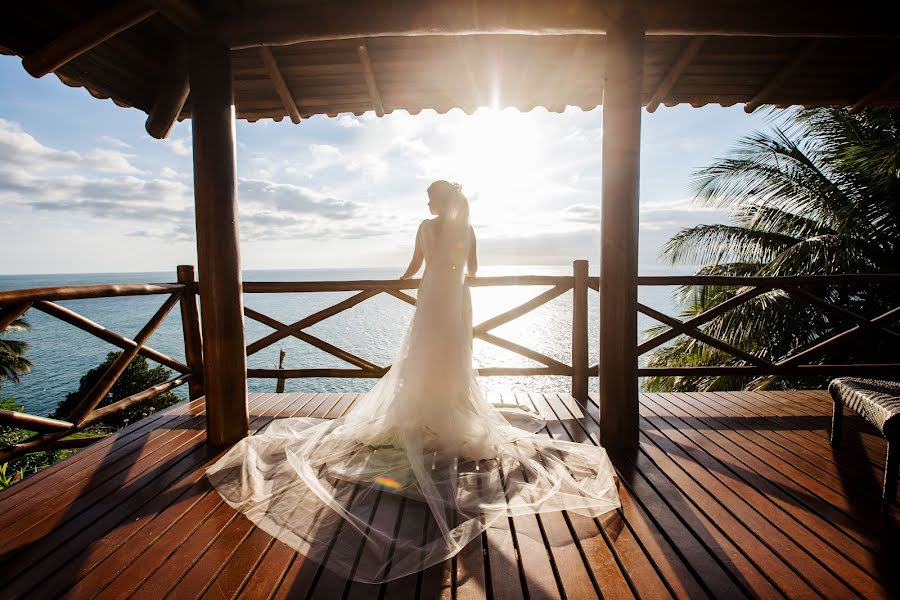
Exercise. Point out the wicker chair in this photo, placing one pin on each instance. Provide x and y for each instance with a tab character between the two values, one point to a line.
878	402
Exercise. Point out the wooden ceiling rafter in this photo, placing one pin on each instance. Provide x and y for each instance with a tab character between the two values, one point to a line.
684	59
281	86
783	74
362	50
86	35
562	83
876	92
185	15
171	95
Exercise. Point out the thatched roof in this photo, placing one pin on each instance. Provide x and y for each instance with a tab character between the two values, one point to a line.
359	55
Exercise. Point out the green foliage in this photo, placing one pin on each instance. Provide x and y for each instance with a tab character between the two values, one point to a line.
30	463
818	196
7	480
138	376
12	353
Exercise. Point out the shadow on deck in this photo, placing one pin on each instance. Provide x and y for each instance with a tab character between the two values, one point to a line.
731	494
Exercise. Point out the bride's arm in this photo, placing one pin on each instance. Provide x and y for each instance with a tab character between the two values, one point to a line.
417	258
472	263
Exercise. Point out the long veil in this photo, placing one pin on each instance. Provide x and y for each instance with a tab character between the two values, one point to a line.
422	463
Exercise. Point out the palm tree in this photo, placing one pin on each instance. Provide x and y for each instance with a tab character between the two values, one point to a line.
819	194
12	353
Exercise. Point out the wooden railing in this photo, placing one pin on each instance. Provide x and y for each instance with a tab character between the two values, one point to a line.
52	433
578	282
803	361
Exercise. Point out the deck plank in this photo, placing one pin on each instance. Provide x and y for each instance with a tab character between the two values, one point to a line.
730	493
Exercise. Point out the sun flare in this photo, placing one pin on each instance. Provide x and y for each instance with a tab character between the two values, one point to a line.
492	150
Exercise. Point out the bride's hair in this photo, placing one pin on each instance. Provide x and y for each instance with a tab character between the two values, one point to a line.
454	205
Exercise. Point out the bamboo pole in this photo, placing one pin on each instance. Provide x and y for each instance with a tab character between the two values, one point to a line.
218	242
619	232
580	374
190	325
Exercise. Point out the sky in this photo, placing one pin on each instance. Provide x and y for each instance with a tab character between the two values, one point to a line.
85	190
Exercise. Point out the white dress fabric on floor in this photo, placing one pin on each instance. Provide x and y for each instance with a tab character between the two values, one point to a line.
421	464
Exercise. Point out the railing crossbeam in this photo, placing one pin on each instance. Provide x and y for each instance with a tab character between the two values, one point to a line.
314	341
843	312
99	331
115	370
8	315
700	319
524	308
801	357
310	320
707	339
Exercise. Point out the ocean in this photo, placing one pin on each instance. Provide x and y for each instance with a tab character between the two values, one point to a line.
61	354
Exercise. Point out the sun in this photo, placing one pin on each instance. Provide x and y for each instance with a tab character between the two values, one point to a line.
494	149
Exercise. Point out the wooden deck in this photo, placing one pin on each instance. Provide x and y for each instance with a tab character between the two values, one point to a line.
730	495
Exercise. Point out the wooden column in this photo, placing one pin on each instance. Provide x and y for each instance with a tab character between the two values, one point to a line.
218	246
580	374
619	232
190	326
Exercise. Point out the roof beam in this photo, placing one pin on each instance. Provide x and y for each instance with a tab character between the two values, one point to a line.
668	82
876	92
281	87
562	83
171	95
363	51
184	15
353	19
93	31
786	70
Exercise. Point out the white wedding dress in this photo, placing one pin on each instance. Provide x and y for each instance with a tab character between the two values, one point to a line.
421	464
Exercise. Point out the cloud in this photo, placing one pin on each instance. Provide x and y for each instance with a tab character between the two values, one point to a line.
20	149
296	200
112	141
180	146
348	122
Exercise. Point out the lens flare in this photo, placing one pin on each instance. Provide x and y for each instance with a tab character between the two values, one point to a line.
387	483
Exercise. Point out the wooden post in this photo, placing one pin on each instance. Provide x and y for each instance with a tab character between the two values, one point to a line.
580	366
190	325
279	384
619	232
218	243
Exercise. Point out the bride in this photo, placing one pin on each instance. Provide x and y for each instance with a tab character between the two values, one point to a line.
421	464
